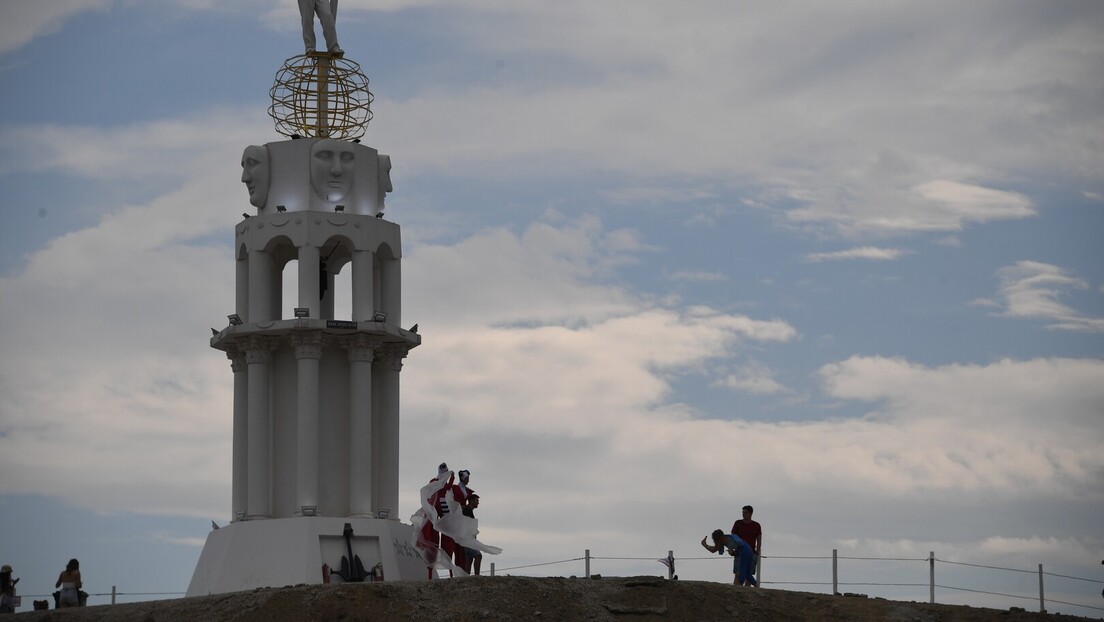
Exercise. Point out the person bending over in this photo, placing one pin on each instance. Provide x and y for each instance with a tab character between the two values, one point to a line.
743	565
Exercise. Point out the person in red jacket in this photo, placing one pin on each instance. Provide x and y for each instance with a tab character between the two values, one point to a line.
750	532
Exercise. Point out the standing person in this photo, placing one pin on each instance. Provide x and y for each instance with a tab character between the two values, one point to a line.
471	556
465	477
742	565
327	16
7	590
751	532
70	583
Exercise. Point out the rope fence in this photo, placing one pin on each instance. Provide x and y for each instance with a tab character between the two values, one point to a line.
670	561
114	594
930	561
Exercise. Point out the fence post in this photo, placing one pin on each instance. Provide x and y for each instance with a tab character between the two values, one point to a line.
492	569
931	577
759	567
588	563
1042	604
670	564
835	574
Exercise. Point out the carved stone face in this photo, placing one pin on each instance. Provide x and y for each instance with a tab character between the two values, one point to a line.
332	169
383	165
255	174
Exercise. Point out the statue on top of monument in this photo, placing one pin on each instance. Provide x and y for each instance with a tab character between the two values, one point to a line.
327	16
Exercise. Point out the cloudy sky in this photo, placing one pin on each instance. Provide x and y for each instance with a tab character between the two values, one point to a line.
842	263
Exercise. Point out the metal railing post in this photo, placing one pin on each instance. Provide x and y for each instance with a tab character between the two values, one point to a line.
1042	603
112	594
931	577
670	564
835	574
759	567
492	569
588	563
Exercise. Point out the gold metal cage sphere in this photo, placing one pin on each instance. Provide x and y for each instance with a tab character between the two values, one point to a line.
320	95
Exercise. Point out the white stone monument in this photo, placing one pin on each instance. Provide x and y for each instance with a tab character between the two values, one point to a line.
316	397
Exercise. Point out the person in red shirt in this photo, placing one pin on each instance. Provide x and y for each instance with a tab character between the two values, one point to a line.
751	532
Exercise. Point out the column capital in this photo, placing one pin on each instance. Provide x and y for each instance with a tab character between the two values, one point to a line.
390	357
361	348
308	345
237	360
258	350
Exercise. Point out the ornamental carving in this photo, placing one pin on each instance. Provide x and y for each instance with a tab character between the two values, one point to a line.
361	348
258	350
307	345
237	360
391	356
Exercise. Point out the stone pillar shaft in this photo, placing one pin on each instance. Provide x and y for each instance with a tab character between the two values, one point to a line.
363	286
309	279
308	351
241	297
391	291
387	471
258	355
361	351
241	427
260	286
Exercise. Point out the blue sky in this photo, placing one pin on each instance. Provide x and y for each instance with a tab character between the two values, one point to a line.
842	263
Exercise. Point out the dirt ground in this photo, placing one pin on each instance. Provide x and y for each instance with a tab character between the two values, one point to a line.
466	599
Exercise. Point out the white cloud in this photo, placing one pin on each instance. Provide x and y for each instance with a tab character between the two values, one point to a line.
972	203
1032	289
863	252
984	417
22	21
755	378
935	156
696	276
111	390
162	150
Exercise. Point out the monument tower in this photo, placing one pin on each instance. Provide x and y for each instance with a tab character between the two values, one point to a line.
316	396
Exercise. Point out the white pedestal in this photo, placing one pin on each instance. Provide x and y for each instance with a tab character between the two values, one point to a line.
289	551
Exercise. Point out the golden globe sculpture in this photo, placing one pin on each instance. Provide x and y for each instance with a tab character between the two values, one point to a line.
320	95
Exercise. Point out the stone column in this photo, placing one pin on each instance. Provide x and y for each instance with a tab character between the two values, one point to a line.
363	287
241	289
309	280
241	431
260	286
391	291
276	292
327	302
308	350
387	437
362	350
258	355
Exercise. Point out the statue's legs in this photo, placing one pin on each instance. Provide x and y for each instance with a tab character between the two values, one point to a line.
325	10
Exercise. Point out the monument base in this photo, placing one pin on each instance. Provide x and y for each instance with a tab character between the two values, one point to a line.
290	551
